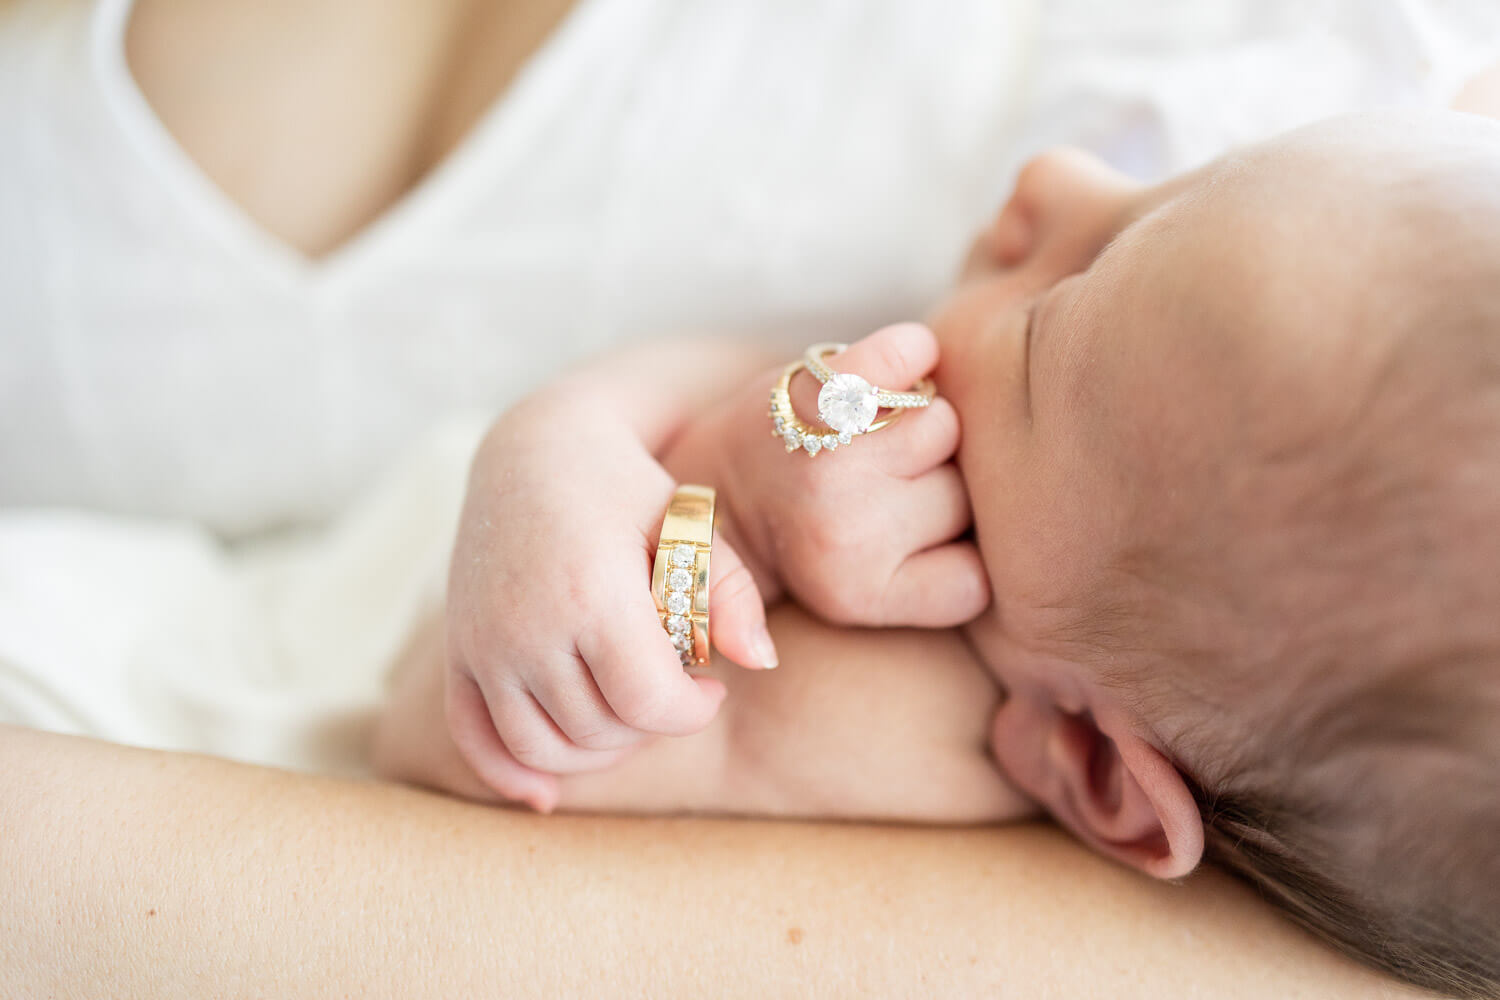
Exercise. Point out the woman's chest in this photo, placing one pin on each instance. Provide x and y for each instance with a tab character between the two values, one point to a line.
316	117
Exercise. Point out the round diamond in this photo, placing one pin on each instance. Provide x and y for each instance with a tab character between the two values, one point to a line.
845	437
678	603
792	438
780	425
679	579
812	443
677	625
847	403
682	555
683	642
830	442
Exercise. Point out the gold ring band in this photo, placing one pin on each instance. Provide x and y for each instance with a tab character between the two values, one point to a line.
915	398
679	576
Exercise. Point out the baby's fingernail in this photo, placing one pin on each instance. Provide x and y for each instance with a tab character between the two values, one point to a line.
762	649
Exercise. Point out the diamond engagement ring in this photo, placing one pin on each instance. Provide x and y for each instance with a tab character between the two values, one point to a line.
679	577
847	404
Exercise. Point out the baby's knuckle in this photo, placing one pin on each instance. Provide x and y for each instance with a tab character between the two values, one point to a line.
529	751
579	588
642	708
894	355
828	537
732	585
844	602
595	736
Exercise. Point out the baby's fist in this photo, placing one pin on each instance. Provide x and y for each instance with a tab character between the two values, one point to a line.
870	534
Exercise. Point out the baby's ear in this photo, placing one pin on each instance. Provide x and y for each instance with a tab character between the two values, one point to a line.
1122	795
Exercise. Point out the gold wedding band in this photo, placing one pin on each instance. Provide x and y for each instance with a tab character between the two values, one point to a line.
679	576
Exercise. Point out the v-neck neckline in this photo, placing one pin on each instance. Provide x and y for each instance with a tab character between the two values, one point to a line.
435	196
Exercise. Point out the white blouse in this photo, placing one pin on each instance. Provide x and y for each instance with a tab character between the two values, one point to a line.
660	166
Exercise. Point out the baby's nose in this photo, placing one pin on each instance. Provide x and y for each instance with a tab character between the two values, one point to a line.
1066	207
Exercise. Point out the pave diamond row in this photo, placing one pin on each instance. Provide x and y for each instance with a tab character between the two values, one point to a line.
679	599
902	400
795	434
818	367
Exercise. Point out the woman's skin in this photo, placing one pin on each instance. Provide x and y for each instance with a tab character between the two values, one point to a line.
133	873
340	108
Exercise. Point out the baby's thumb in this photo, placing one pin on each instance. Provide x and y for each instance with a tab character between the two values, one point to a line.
736	611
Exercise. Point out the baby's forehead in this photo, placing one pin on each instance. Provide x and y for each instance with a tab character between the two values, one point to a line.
1283	370
1254	287
1225	350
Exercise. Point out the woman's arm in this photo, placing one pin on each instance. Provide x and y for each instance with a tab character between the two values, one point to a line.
131	873
889	724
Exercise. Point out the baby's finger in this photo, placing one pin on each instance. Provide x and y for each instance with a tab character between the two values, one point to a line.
641	677
921	440
930	510
473	732
938	588
534	740
567	693
892	357
737	613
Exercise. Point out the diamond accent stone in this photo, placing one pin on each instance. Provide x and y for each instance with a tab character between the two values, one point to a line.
679	579
845	437
682	555
792	438
830	442
847	403
678	603
812	443
677	625
683	642
780	425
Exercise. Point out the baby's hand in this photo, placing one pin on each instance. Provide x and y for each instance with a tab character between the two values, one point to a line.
556	658
865	535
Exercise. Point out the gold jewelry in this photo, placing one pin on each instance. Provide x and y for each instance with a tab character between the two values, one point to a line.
797	433
679	576
848	402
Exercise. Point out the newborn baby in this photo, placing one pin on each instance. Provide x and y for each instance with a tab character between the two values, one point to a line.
1232	446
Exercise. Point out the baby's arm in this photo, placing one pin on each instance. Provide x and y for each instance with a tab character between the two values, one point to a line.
858	724
557	659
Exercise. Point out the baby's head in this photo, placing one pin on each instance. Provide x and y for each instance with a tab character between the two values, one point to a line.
1234	450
